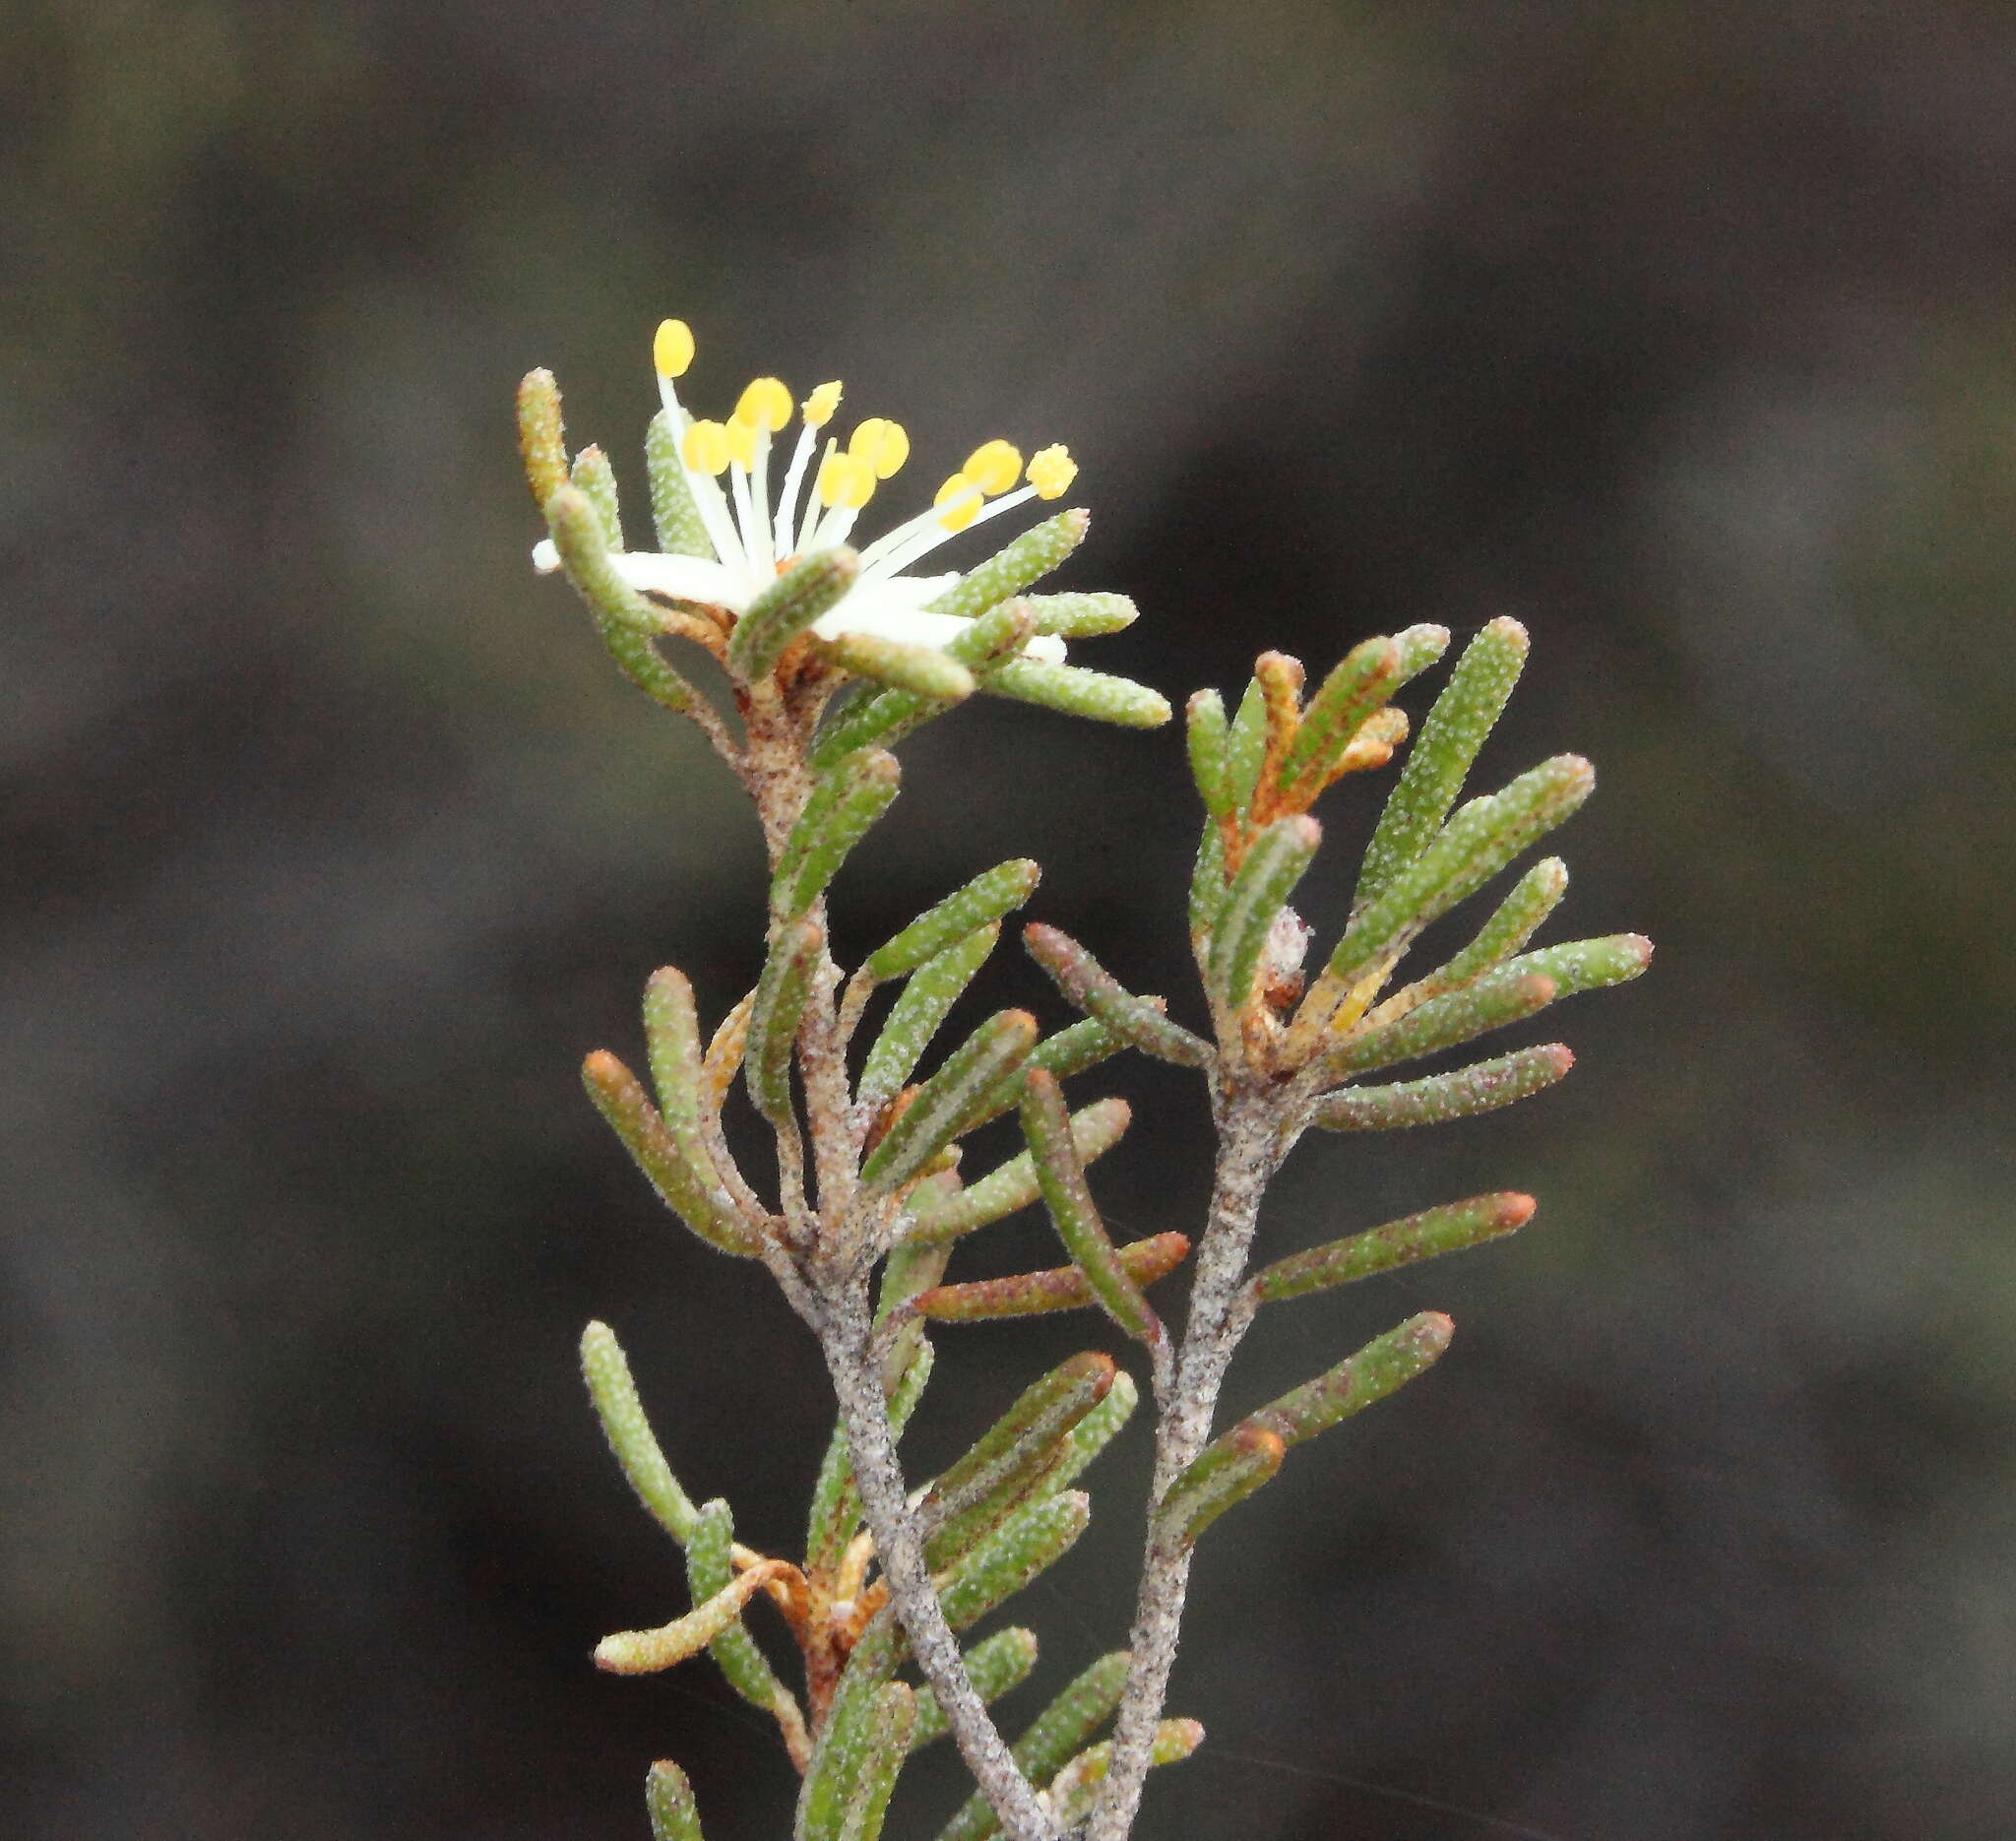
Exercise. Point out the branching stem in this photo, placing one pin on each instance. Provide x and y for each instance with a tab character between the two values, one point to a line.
1251	1146
845	1336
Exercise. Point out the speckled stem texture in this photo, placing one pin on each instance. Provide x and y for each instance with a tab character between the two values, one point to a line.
844	1335
1251	1146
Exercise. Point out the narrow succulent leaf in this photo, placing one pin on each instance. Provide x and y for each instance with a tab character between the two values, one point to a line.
1098	696
1094	1130
1207	882
673	514
1061	1177
1079	617
625	620
1032	1539
1227	1471
607	1370
919	1011
1382	1367
1093	989
1058	1288
949	1103
671	1030
1076	1787
541	440
1280	676
871	780
1463	714
1096	1430
836	1516
810	588
1357	685
1047	1409
989	896
693	1195
1056	1733
1079	1045
710	1570
1275	863
779	1006
668	1799
911	1269
1517	919
725	1049
846	1746
890	714
579	535
1491	1002
1010	570
1246	745
1419	648
1066	1052
678	1071
592	475
996	1667
1449	1228
1004	1466
827	791
890	1734
646	1652
1588	964
1479	841
1206	736
923	670
1461	1094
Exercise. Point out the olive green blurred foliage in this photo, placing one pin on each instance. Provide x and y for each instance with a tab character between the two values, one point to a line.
333	840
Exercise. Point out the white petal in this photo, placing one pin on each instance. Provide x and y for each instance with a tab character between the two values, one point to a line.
545	555
687	578
893	608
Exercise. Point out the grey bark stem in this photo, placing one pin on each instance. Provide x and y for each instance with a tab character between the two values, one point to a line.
878	1475
1251	1146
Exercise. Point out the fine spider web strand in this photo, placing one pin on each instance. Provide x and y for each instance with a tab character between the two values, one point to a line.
1496	1825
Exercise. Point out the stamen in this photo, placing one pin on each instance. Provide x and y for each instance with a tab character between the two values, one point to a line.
883	444
847	483
961	497
705	448
765	404
993	466
1051	470
671	351
923	536
818	408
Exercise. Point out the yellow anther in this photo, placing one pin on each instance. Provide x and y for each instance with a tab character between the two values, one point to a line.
1051	470
963	496
741	442
846	479
821	404
993	466
672	350
706	447
766	404
882	443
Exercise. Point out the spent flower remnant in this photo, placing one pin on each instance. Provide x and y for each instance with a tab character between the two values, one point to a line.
752	538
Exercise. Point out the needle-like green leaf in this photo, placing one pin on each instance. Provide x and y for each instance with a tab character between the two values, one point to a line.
1461	1094
1446	1230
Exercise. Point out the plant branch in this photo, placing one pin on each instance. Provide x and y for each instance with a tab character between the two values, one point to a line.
845	1337
1251	1146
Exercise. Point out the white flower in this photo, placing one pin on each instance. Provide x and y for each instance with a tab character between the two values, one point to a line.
755	539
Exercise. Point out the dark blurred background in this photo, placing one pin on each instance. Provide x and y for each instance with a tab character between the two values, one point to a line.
1687	336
